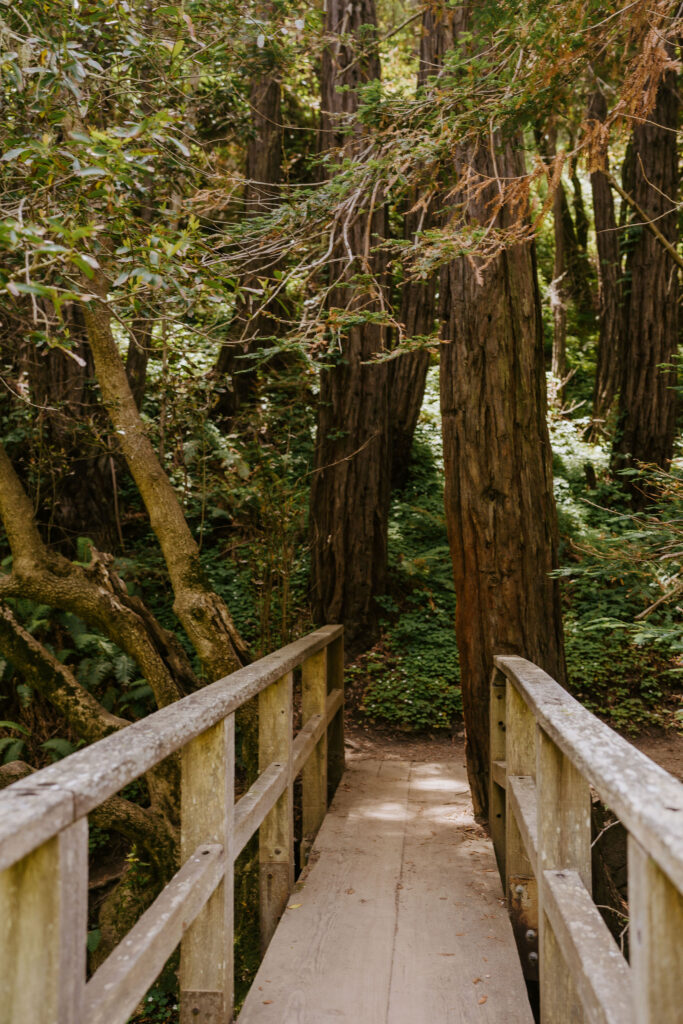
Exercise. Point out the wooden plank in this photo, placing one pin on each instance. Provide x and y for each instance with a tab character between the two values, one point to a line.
119	984
400	918
454	945
31	812
498	775
331	959
306	738
43	924
642	795
314	775
522	801
71	788
305	742
335	729
520	889
601	974
257	802
276	834
655	940
207	817
564	841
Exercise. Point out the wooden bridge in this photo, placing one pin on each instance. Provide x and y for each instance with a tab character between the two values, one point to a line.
399	916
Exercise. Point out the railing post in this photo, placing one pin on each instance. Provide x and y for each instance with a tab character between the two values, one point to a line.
207	816
521	888
497	714
314	774
655	930
43	926
564	841
276	835
335	731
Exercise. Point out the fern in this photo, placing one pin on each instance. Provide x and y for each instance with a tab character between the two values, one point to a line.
12	748
58	748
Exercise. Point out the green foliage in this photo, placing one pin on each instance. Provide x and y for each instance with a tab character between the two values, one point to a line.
11	747
413	677
623	642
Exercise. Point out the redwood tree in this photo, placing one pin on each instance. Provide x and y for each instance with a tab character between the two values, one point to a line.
408	372
609	281
647	399
350	485
500	510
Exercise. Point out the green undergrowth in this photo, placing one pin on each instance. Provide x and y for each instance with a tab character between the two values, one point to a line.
413	674
623	647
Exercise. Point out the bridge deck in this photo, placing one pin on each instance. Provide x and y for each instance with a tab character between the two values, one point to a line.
400	919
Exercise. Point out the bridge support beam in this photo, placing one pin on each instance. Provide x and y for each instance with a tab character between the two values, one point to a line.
207	816
656	908
314	774
276	835
43	920
564	842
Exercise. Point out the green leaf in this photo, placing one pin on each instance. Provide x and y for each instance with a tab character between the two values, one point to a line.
12	749
17	726
58	747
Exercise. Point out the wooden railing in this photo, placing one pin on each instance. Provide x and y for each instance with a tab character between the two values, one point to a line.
44	843
547	751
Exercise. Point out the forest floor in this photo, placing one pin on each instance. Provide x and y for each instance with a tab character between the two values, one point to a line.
367	739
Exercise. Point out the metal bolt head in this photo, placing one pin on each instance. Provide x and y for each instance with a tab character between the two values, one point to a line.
519	889
533	957
530	935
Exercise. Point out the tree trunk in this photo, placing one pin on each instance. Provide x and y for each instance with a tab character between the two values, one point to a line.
609	285
500	510
70	430
202	613
558	286
350	488
255	318
408	372
647	399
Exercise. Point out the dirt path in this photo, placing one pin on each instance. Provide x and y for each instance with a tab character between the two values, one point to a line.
364	741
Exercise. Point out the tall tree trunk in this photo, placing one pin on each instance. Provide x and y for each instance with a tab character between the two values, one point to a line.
70	431
202	613
647	400
558	286
609	285
350	487
500	510
408	372
255	318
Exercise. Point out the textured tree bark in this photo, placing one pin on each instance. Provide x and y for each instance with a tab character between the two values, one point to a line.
609	285
93	592
647	401
70	424
500	510
408	372
350	486
558	287
238	376
202	613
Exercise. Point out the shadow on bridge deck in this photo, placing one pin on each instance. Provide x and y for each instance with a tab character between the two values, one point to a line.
400	918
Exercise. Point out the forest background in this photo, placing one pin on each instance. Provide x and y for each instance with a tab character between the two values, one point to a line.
274	277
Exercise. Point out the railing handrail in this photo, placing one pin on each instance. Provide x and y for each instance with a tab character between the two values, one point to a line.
35	809
44	842
645	797
549	754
